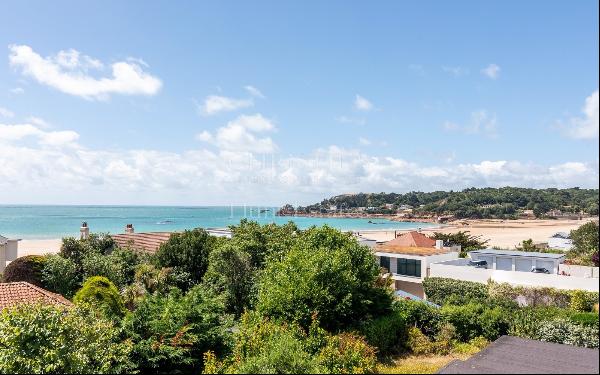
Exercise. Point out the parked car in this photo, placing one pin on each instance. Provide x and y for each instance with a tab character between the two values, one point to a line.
539	270
478	263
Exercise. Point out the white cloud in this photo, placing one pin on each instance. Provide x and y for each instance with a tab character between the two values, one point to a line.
68	71
41	166
40	122
456	71
364	141
481	122
492	71
585	127
6	113
362	104
417	68
17	90
254	91
214	104
241	135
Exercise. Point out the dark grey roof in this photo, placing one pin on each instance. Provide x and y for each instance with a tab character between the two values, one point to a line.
513	355
525	254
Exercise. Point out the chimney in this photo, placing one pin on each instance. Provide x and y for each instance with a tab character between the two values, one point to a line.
439	244
84	231
129	228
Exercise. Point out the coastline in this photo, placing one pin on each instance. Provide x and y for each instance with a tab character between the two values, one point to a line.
502	233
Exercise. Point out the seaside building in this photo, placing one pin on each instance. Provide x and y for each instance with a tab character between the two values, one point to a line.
529	269
21	292
408	257
9	251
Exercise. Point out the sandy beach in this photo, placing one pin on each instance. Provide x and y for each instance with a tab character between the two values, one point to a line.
501	233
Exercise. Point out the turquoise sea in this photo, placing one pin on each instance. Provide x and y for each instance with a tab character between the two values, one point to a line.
45	222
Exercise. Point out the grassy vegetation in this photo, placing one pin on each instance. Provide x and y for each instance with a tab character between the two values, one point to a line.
418	364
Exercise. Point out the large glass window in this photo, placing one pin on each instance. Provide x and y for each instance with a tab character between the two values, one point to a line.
385	262
408	267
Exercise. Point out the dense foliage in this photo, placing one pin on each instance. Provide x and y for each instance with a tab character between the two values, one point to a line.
328	273
585	244
47	339
503	202
28	268
272	299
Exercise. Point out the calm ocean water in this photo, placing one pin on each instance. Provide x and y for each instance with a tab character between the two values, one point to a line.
43	222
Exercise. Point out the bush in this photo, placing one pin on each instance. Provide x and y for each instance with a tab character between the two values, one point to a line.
585	319
172	331
100	292
347	353
419	314
60	275
76	250
564	332
581	301
418	343
28	268
118	266
387	333
438	290
475	320
48	339
187	253
328	273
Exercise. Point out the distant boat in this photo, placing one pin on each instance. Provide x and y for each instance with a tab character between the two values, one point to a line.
163	222
265	210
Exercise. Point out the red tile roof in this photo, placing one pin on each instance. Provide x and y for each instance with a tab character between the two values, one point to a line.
12	294
412	239
411	243
146	242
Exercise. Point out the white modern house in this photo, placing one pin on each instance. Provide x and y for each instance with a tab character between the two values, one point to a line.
9	251
408	258
561	241
529	269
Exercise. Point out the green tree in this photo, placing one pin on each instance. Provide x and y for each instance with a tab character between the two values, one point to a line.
172	331
100	292
466	241
230	272
60	275
585	243
46	339
187	253
328	273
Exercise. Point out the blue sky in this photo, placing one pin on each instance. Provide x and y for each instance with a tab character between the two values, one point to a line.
268	102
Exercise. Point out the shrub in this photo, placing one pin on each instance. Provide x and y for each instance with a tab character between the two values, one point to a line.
387	333
474	320
172	331
118	266
76	250
444	340
585	319
187	253
60	275
418	343
581	301
439	289
326	272
564	332
347	353
533	296
28	268
100	292
471	347
48	339
419	314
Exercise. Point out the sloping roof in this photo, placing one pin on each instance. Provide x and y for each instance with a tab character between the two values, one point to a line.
513	355
409	250
412	239
524	254
147	242
12	294
412	243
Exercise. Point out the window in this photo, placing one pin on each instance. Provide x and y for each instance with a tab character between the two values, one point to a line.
385	262
409	267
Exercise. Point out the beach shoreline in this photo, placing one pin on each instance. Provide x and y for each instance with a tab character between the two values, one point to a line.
501	233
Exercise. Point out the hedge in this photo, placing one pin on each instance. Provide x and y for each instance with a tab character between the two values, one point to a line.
439	289
28	268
